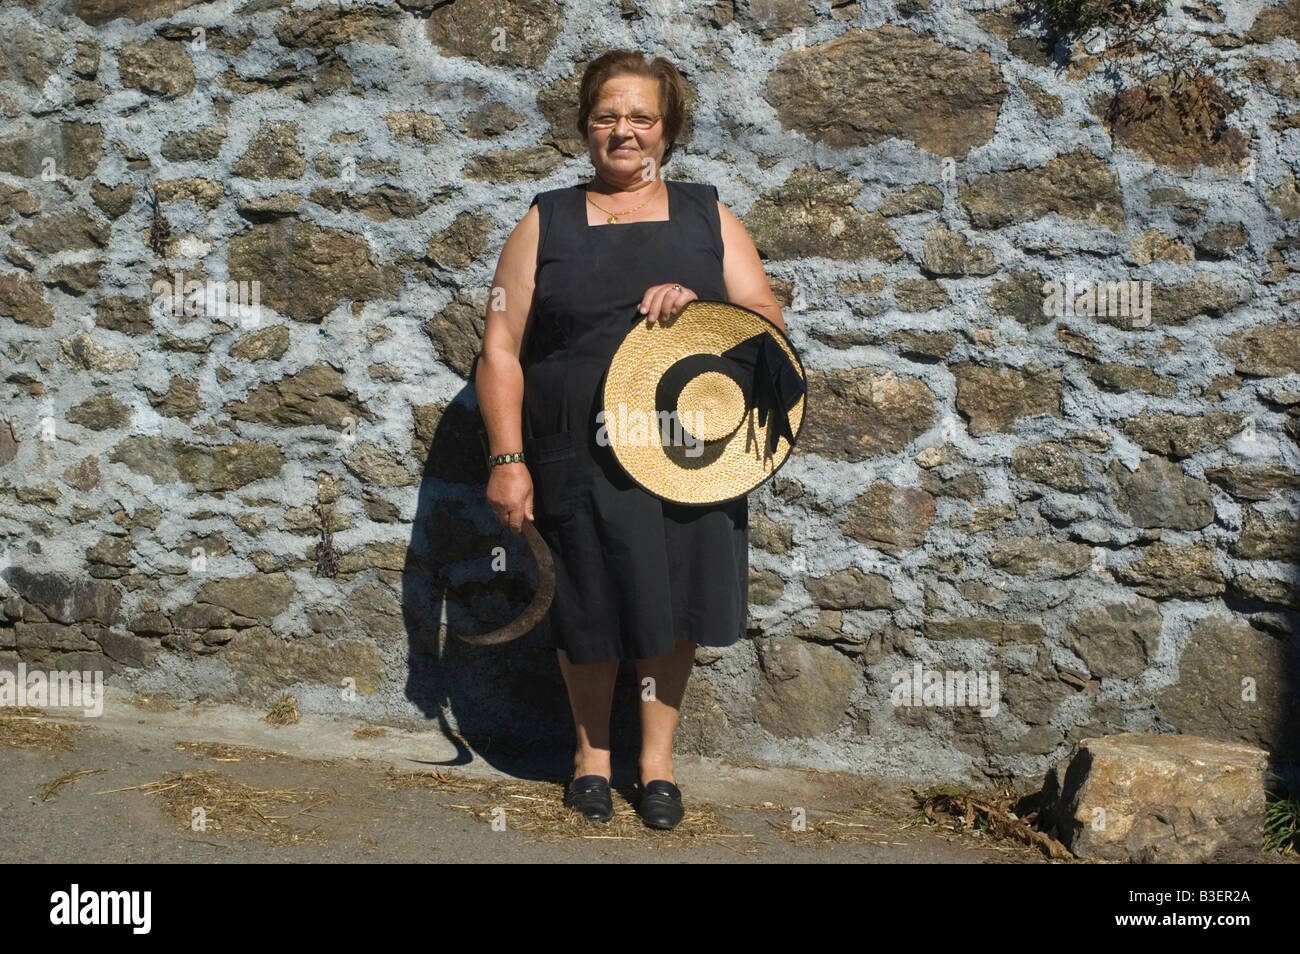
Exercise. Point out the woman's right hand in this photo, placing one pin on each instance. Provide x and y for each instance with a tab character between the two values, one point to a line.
510	494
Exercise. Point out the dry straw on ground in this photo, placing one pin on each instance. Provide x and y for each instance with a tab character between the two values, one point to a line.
855	826
233	808
987	818
154	704
283	712
53	786
538	809
227	752
23	727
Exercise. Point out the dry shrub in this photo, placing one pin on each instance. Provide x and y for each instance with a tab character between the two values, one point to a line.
1175	109
990	815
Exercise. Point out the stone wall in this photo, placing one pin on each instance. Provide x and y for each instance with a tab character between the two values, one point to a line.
1098	509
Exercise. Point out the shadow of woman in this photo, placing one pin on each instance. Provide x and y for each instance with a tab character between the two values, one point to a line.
465	573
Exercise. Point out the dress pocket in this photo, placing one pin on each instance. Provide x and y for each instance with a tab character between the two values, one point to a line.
553	465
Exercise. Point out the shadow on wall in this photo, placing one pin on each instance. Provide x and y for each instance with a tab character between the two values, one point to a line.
1264	668
465	573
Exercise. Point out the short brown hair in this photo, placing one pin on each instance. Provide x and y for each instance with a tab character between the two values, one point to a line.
630	63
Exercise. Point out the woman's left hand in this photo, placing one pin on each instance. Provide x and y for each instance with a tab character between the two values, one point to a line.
663	303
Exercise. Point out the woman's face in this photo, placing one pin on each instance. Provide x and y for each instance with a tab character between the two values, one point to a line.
620	153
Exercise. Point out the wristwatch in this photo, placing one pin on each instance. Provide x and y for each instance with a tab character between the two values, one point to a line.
516	457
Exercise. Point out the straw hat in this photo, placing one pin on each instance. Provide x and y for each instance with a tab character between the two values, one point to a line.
705	408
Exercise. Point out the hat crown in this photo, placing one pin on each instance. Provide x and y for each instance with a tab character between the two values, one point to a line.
711	405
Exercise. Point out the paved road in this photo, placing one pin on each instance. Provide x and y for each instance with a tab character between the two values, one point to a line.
365	809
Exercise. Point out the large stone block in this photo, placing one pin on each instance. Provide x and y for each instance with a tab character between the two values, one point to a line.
1159	798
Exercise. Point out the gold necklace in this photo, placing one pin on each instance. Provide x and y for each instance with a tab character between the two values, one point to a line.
613	216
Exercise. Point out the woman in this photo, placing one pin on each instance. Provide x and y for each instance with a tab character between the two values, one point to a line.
636	577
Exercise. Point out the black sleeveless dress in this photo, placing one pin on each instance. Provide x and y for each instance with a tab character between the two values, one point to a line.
633	572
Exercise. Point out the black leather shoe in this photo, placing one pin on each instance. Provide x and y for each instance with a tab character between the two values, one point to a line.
660	805
590	795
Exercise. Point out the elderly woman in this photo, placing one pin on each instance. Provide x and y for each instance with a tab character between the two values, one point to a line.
637	577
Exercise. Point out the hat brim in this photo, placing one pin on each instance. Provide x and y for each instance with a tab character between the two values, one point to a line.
695	472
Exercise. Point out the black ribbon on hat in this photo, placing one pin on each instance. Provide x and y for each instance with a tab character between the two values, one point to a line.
766	376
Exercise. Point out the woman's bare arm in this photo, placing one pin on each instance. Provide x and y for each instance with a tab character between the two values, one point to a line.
742	270
499	377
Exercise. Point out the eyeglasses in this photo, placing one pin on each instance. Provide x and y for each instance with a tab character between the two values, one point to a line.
610	120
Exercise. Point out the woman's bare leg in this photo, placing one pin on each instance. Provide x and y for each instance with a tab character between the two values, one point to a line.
659	712
591	694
